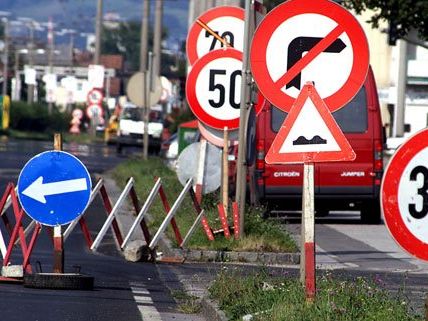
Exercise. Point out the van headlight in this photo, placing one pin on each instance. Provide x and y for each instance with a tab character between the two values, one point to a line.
124	133
155	130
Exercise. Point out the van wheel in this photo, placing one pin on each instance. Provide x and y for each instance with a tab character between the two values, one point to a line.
119	148
321	212
371	213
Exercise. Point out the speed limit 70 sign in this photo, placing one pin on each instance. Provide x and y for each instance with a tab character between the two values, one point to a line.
404	195
213	88
226	21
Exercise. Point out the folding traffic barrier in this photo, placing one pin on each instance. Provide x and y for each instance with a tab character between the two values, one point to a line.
170	212
17	233
173	210
111	211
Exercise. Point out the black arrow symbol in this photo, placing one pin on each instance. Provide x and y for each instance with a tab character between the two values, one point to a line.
299	45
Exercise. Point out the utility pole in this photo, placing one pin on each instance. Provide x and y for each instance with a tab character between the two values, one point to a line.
30	88
157	50
17	91
6	56
50	55
245	106
399	111
98	27
144	41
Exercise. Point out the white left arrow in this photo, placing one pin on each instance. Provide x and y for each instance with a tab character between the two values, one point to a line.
37	190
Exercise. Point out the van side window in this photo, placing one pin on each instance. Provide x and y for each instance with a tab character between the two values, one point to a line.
352	118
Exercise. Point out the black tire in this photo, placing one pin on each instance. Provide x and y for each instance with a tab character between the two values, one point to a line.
321	212
371	212
119	148
66	281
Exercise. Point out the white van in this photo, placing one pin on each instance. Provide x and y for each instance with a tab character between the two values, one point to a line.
131	127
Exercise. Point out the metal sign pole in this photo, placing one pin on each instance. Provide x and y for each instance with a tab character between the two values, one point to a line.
225	180
57	237
307	261
244	109
201	170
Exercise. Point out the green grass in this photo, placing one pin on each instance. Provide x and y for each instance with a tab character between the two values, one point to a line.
82	138
187	303
283	299
261	235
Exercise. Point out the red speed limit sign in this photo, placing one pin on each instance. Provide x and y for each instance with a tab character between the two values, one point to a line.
95	97
227	22
213	88
404	195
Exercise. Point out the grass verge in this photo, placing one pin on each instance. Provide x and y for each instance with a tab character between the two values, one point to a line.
188	304
261	235
82	138
283	299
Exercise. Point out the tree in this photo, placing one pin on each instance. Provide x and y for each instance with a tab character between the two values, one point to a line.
403	15
125	40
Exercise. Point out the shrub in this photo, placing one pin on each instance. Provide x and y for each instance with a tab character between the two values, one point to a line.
35	117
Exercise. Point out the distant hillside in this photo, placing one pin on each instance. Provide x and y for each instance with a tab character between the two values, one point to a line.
80	14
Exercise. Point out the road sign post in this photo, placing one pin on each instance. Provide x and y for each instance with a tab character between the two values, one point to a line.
307	257
54	189
58	266
320	42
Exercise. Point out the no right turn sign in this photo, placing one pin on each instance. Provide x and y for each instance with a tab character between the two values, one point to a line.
317	41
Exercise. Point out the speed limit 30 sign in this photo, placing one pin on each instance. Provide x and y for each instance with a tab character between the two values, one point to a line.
404	195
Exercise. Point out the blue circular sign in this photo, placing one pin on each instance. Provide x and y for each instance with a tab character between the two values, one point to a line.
54	188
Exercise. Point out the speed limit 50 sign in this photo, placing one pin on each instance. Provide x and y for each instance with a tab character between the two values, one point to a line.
213	88
404	195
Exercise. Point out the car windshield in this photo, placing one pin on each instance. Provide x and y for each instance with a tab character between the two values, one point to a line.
132	114
352	118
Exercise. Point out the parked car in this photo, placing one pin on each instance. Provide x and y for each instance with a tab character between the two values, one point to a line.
338	185
169	150
131	127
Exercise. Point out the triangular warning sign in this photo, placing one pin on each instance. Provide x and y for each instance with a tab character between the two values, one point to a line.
309	134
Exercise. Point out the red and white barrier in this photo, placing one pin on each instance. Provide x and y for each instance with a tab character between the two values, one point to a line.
16	233
129	190
173	210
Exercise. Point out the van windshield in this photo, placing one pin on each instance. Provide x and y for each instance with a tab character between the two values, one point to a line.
132	114
352	118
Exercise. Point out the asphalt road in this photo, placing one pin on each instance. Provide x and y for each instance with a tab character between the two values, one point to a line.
138	291
123	290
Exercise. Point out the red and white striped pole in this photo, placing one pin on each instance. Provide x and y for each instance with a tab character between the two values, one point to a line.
58	266
307	258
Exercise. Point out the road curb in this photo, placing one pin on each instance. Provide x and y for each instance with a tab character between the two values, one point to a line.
265	258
